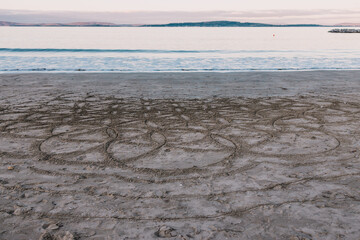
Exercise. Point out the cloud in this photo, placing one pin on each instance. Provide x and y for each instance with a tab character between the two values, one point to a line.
143	17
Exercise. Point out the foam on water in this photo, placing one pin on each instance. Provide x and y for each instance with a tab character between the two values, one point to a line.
176	49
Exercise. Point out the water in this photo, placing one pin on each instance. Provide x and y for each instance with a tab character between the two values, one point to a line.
62	49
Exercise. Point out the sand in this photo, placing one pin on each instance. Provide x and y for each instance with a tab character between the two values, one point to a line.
180	155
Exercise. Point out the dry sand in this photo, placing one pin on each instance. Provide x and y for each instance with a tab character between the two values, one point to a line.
180	156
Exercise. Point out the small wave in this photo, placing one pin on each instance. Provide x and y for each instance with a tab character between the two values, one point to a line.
175	70
91	50
103	50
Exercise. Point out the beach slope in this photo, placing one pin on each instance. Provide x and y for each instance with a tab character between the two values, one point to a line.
261	155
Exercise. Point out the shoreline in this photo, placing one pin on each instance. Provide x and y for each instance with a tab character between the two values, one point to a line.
176	71
189	84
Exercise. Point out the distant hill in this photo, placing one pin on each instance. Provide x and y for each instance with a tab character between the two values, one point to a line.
75	24
3	23
227	24
185	24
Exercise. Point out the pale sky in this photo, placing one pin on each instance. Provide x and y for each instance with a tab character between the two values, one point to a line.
165	11
177	5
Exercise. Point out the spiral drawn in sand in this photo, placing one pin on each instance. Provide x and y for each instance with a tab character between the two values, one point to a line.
185	163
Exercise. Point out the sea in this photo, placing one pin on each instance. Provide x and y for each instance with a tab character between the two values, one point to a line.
163	49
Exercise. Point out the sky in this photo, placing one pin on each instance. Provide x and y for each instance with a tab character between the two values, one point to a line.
164	11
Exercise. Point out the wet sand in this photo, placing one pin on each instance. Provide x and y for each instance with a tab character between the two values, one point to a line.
180	155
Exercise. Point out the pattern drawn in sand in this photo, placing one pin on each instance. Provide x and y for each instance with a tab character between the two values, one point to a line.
231	168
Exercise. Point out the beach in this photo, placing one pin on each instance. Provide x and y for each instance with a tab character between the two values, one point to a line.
186	155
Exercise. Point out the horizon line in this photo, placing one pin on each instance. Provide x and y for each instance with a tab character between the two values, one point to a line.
105	23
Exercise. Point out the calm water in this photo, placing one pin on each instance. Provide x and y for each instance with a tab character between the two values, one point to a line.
175	49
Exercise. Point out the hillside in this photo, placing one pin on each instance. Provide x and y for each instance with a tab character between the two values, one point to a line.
227	24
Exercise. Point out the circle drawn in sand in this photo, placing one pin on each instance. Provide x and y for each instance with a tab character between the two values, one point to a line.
179	159
56	145
297	143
